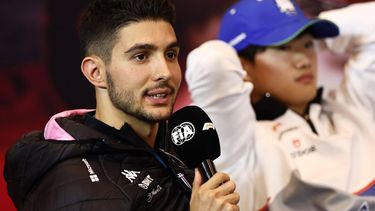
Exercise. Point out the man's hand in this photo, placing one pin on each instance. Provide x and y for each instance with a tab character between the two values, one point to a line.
215	194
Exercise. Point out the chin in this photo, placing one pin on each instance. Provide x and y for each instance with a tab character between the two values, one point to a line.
162	115
309	96
302	96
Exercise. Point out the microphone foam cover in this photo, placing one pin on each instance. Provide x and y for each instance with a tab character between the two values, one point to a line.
193	136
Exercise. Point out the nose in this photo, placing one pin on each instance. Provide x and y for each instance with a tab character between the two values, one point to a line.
162	70
301	61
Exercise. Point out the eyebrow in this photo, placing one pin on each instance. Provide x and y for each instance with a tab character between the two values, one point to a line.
174	45
150	47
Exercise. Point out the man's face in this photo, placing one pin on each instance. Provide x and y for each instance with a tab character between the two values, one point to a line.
144	75
287	72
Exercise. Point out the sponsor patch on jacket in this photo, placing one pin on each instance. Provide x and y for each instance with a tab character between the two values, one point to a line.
303	152
130	175
146	182
93	177
153	193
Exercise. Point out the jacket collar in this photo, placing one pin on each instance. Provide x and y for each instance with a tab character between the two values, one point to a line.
124	133
268	108
87	127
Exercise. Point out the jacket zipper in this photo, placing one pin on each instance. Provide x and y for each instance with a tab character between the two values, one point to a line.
308	120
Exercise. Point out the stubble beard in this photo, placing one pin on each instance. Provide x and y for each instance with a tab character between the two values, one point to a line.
125	101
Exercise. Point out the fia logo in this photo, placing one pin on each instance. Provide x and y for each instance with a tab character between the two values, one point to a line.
146	182
286	6
183	133
130	175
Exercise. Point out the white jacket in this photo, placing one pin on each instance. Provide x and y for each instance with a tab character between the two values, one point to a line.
281	164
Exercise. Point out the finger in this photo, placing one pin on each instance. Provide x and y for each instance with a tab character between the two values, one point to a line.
217	180
197	180
232	198
226	188
228	202
231	207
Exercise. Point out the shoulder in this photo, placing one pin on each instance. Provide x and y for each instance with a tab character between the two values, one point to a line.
77	183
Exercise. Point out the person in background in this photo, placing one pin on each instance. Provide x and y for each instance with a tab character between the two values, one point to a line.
288	144
118	156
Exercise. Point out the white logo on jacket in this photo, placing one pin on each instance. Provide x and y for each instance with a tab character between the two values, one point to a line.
130	175
146	182
303	152
93	176
153	193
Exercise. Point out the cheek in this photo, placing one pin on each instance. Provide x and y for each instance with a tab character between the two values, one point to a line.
269	75
273	81
314	62
176	74
128	79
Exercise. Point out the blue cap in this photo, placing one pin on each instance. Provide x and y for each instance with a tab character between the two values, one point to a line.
269	23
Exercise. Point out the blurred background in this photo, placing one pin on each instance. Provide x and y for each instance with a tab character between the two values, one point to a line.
40	60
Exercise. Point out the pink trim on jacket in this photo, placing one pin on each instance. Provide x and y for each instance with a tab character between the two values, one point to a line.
53	129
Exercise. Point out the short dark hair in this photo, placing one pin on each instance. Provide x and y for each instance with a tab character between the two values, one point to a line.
100	23
250	51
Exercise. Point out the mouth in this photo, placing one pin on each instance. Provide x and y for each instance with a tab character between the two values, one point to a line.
159	96
305	79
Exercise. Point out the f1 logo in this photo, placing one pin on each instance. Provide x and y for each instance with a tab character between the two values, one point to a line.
208	125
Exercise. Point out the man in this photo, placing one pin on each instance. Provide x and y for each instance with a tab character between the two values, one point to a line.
294	147
116	157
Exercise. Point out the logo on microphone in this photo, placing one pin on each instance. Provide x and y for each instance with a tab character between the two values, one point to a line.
208	125
183	133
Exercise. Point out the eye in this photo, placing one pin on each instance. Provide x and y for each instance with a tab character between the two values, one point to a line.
140	57
172	54
309	44
284	47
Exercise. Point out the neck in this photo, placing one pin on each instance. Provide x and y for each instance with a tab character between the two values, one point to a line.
299	109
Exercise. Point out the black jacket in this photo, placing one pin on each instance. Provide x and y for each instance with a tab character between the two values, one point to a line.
103	169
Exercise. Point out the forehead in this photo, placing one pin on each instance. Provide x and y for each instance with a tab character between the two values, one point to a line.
159	33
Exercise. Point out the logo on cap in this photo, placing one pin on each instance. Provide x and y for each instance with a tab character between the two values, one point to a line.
183	133
286	6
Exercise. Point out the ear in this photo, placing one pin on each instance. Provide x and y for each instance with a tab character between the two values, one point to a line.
94	70
248	67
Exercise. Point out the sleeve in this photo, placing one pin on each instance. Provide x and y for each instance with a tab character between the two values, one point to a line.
357	40
215	81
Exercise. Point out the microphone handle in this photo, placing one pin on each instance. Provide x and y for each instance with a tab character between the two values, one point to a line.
207	169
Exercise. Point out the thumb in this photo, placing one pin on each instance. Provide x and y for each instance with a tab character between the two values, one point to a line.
197	180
